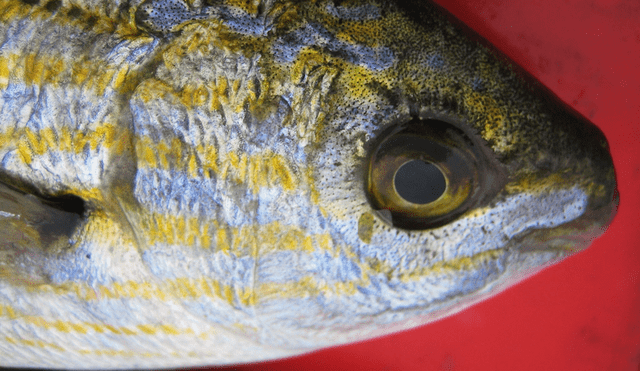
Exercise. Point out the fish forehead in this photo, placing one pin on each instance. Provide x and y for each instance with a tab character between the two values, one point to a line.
222	151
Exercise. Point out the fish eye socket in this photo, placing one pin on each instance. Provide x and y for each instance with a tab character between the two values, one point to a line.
425	173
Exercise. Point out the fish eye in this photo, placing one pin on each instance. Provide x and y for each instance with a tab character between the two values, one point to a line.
425	173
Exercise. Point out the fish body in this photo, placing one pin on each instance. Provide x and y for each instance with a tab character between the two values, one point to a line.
199	183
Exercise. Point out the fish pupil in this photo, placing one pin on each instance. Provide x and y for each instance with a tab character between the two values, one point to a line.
419	182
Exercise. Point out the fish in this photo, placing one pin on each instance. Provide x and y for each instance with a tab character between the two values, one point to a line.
212	182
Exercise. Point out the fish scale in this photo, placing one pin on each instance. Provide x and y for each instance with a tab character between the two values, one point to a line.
193	183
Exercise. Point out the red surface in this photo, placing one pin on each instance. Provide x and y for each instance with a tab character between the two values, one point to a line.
582	314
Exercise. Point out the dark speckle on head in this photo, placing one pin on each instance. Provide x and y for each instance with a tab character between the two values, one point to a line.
74	12
91	21
53	5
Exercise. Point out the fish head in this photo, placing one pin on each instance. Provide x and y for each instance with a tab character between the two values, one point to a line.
293	175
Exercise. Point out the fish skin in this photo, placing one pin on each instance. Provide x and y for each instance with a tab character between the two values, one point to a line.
221	153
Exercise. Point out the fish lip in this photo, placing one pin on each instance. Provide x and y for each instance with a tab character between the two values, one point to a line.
573	236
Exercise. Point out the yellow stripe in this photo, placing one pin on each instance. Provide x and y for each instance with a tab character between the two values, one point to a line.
237	94
84	327
7	311
266	169
33	343
189	289
110	352
182	288
93	75
248	6
535	184
193	231
372	32
124	353
309	286
31	144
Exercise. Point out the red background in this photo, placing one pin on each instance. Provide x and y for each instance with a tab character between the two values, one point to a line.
584	313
